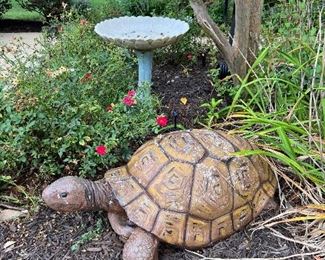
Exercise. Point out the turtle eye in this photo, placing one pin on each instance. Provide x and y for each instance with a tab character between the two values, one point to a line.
63	194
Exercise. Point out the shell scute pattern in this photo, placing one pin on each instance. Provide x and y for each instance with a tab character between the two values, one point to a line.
217	145
183	147
242	216
124	186
221	227
190	191
245	180
143	212
211	190
171	188
170	227
197	232
259	201
147	163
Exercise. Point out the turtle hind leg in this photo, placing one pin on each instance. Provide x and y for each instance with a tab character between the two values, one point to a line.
141	245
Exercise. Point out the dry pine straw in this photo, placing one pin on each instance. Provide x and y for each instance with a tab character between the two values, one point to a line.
302	214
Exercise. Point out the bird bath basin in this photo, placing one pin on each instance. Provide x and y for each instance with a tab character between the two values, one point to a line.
143	34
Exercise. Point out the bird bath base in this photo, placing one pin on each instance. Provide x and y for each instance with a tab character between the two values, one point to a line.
145	61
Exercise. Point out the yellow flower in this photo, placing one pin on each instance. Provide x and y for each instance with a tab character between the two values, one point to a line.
183	100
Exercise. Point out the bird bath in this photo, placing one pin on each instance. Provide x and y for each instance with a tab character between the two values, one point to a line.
143	34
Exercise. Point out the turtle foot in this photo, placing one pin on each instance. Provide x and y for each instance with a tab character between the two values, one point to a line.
141	245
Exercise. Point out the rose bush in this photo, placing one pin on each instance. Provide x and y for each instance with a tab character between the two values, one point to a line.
65	101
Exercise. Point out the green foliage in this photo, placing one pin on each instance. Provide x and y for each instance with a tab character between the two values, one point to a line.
5	5
82	7
53	9
18	13
281	100
47	8
88	236
213	113
53	107
5	181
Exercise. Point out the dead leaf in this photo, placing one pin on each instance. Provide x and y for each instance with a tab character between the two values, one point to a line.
184	100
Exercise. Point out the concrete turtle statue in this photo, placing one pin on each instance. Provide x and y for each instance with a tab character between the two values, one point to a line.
184	188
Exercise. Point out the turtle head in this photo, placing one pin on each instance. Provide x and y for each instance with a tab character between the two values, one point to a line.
71	193
67	194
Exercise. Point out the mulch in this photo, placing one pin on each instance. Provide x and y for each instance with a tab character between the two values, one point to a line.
50	235
174	82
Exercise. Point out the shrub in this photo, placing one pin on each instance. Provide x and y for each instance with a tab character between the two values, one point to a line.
49	9
53	9
5	5
59	107
81	6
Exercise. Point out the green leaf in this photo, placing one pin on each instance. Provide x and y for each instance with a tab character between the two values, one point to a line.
286	143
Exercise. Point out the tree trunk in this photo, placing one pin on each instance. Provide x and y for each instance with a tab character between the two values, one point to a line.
242	52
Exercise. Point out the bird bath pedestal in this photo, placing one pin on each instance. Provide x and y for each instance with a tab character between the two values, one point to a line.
143	34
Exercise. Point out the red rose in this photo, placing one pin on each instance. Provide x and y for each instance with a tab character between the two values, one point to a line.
132	93
129	101
189	56
101	150
86	77
162	120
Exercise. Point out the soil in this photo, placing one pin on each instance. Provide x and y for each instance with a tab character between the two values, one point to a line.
174	82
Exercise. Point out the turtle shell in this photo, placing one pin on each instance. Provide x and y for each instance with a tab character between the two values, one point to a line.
188	189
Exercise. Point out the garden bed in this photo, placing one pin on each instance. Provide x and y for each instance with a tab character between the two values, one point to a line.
50	235
74	82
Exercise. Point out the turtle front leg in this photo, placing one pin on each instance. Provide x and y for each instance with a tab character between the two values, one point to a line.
141	245
119	224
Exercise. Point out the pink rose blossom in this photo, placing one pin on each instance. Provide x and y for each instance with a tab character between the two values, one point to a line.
129	101
132	93
101	150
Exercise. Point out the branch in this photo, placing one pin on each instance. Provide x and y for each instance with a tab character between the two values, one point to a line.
247	29
212	29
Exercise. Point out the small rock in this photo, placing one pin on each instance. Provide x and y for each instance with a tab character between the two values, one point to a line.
10	214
